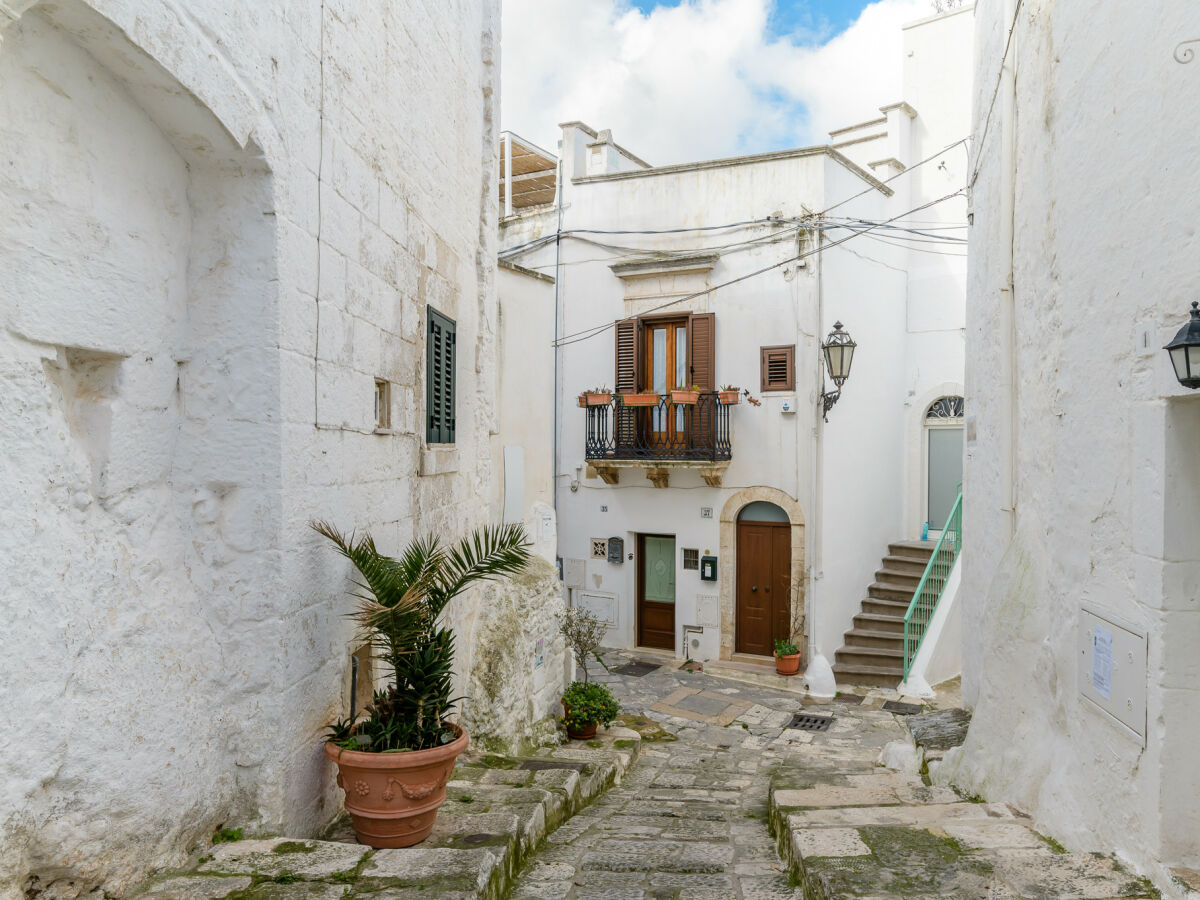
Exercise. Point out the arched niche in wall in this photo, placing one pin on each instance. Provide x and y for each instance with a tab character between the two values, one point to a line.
141	438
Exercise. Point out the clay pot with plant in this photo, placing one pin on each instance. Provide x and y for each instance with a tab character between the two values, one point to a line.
685	396
585	705
639	398
394	762
787	657
597	396
729	395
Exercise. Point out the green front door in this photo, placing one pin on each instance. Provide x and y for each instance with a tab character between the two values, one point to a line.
656	591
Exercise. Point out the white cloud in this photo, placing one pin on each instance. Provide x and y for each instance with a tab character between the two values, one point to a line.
700	80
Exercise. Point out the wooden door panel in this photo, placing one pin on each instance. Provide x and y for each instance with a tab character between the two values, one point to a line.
656	591
754	607
781	578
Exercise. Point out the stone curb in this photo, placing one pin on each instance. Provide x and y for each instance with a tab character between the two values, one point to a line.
498	811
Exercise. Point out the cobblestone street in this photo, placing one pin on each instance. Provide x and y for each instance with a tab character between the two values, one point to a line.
690	820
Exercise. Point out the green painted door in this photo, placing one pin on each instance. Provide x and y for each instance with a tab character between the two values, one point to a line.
656	592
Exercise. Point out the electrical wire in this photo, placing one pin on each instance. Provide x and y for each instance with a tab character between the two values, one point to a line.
588	333
987	121
894	177
552	237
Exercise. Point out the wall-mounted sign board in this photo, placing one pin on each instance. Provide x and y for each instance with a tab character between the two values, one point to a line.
1112	668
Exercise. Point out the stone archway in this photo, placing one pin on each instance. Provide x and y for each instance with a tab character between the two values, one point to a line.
728	551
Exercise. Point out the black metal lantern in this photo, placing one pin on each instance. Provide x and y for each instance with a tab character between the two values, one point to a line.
1185	351
839	354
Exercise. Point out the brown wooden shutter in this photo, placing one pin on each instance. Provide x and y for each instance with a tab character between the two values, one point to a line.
627	377
778	368
702	372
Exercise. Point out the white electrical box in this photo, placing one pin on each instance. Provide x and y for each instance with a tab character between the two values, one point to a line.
1112	668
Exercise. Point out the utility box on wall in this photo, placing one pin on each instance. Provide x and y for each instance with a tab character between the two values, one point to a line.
708	568
616	550
1112	668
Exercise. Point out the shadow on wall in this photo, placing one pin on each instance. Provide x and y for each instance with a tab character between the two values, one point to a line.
141	457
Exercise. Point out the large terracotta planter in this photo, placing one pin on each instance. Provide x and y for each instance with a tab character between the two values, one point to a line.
729	398
639	399
393	798
581	734
685	398
788	665
594	398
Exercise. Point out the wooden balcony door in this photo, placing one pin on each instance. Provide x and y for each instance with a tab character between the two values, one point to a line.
656	591
666	368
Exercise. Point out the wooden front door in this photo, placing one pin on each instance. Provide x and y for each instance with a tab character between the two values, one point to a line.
764	555
656	591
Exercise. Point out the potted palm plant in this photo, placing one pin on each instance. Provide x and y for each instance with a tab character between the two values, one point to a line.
393	764
787	657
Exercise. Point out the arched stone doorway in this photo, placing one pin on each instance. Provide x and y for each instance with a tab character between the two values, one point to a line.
776	518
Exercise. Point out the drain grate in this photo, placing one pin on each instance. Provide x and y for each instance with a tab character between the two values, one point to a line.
637	669
540	765
480	838
903	709
849	698
805	722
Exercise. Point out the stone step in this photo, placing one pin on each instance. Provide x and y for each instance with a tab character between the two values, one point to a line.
908	565
872	676
886	590
880	622
887	606
920	550
887	658
909	580
863	637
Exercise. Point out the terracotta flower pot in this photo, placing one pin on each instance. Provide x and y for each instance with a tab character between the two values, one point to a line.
581	734
685	398
639	399
729	398
595	399
582	401
788	665
393	798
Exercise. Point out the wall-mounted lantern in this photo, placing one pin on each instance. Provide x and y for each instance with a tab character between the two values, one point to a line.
1185	351
839	354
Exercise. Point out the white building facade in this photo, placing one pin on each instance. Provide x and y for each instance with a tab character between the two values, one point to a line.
1082	618
710	530
225	232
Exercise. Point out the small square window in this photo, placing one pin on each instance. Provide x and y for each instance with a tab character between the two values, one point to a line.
383	404
691	558
777	366
599	548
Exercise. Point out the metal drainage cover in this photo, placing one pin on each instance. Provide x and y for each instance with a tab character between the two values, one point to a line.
903	709
481	838
805	722
849	698
637	669
538	765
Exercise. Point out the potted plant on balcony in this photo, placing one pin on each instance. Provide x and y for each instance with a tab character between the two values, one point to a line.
729	395
685	396
585	705
599	396
394	764
787	657
639	398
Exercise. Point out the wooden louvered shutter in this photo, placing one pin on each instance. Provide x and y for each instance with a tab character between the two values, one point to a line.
778	368
702	373
628	374
440	353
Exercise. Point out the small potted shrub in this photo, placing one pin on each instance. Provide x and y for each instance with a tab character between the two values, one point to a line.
394	763
685	396
729	395
639	398
585	705
787	657
600	396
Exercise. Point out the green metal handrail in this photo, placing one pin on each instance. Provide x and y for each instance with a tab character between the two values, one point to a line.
933	584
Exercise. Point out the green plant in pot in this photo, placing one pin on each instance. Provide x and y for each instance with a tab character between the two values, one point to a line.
394	763
585	705
787	657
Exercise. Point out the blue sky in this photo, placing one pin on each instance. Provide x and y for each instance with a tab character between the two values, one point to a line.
819	18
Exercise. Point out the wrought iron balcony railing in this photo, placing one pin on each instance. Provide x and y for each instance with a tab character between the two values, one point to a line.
663	432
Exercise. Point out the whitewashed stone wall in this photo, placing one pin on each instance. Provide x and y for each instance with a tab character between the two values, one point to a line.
1105	249
219	225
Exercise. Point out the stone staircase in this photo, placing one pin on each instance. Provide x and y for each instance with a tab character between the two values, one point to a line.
874	650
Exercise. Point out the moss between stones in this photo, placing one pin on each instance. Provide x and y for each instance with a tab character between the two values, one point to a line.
1051	842
293	847
650	730
624	744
